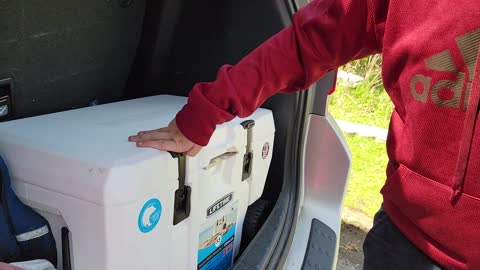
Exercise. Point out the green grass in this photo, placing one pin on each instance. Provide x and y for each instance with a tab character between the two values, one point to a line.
367	175
366	104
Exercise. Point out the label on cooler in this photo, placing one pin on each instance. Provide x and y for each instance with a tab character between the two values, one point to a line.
265	150
149	215
217	235
219	204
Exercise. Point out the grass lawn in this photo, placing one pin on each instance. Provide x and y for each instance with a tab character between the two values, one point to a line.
368	104
367	175
361	107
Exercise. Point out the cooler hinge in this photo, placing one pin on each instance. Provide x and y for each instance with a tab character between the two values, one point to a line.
248	157
181	210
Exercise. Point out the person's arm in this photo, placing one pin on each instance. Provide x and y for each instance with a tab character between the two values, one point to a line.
323	36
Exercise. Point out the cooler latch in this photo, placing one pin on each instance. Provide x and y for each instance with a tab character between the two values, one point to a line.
181	210
247	158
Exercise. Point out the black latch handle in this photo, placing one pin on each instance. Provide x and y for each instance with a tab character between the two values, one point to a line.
248	157
182	202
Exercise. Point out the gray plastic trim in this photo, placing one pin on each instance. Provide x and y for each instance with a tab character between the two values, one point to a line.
321	247
318	99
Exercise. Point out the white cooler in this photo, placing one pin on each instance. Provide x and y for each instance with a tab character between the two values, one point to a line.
113	206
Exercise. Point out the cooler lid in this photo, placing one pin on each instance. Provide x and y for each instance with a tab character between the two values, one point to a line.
85	153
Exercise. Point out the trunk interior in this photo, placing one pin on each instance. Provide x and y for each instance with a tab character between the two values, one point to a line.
58	55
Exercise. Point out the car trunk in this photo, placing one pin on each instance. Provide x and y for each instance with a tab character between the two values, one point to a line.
59	55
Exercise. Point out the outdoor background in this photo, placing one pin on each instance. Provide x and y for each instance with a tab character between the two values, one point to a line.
360	98
362	109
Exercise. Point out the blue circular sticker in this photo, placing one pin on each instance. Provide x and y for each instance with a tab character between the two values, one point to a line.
149	215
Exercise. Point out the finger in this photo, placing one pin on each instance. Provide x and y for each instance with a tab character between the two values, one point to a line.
163	145
141	135
164	129
154	136
194	151
134	138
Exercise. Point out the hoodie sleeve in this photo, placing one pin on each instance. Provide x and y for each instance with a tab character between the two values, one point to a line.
324	35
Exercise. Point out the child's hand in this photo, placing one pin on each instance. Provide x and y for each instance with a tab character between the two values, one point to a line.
166	139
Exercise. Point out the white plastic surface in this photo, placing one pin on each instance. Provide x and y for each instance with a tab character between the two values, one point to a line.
326	166
78	170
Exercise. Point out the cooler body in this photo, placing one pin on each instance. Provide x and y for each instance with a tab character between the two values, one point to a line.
112	205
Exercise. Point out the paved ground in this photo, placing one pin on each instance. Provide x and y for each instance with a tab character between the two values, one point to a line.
350	255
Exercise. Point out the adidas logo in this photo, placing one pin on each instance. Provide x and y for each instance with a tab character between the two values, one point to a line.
421	86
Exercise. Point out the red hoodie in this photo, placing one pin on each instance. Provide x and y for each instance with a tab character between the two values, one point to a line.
430	53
